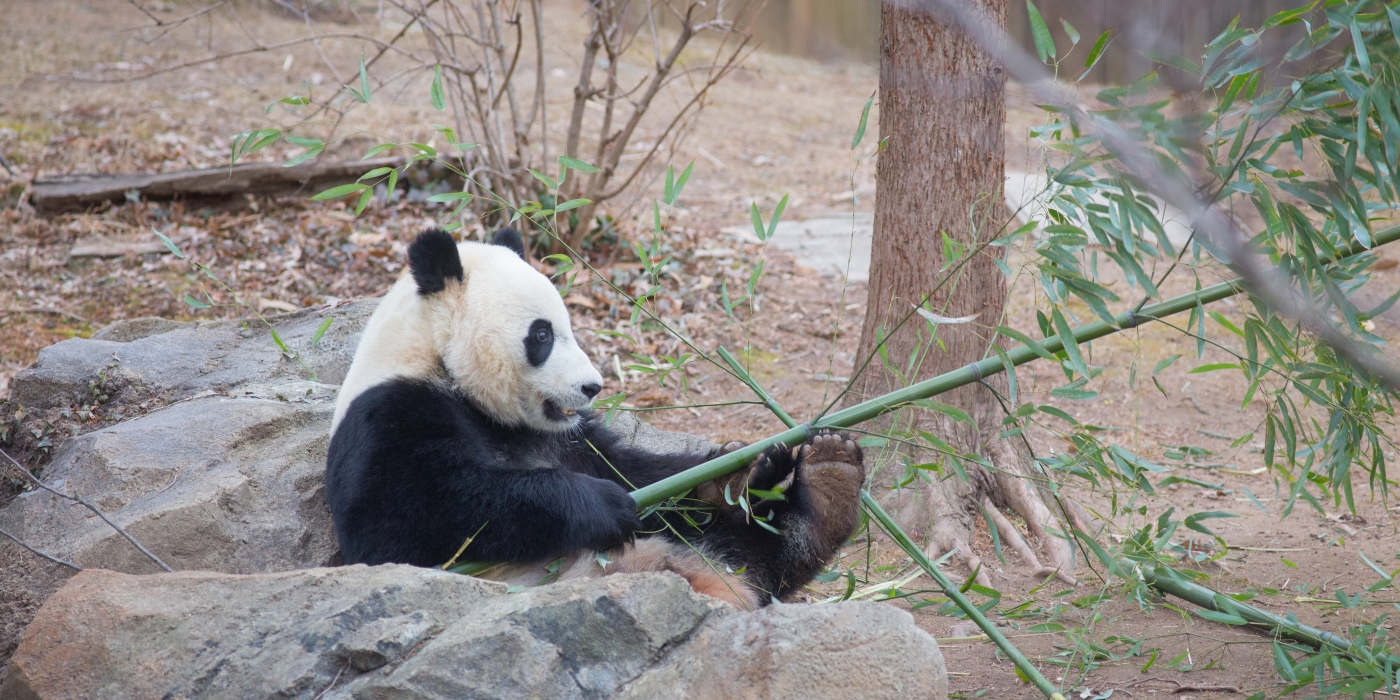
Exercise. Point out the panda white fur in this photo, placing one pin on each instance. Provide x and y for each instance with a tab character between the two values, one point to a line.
465	415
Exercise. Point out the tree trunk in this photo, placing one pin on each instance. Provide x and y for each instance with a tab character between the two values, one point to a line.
942	108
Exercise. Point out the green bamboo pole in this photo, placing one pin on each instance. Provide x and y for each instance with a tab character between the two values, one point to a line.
1168	581
951	590
861	412
974	372
753	385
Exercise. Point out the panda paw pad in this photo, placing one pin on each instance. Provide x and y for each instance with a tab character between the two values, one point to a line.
827	448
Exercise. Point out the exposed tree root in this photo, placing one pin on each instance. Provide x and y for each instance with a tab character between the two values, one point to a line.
945	514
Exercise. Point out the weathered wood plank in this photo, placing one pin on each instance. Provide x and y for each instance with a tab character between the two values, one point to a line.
52	195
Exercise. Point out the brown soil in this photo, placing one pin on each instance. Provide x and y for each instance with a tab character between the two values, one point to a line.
781	125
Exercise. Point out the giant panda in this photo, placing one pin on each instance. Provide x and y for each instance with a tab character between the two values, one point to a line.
465	417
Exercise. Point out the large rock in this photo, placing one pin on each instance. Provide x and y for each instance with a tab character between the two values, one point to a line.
213	454
802	651
152	359
401	632
214	483
224	473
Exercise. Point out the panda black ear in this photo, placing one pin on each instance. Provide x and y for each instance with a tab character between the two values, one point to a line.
433	259
507	237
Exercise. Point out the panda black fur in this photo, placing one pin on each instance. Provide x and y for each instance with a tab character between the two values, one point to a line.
465	414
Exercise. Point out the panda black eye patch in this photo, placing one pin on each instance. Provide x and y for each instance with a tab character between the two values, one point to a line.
539	342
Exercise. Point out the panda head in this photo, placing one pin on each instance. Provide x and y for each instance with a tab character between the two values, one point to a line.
502	331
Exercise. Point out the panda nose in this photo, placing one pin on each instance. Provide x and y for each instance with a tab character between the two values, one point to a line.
591	390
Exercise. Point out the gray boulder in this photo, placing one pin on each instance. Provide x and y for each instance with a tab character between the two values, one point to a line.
154	359
212	453
401	632
217	470
847	650
213	483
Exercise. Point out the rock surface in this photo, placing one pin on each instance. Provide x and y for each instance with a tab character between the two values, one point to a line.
400	632
140	359
209	447
224	470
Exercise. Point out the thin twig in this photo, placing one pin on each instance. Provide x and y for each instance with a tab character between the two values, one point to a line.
50	557
175	22
89	506
44	310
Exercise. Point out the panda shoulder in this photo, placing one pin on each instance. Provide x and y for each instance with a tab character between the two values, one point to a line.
406	402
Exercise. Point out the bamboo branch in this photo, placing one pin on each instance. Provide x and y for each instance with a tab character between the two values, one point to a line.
951	590
859	413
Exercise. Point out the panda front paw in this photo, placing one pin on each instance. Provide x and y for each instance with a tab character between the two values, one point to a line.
773	467
614	518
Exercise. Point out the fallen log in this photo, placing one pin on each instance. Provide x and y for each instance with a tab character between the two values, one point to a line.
65	193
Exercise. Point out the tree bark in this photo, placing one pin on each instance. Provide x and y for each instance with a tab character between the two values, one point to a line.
942	110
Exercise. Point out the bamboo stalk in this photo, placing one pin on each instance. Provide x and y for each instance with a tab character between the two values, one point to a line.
753	385
1161	579
1168	581
861	412
949	589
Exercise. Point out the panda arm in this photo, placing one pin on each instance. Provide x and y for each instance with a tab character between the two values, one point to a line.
532	513
412	472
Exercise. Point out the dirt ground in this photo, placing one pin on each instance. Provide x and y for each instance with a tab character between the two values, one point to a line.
780	126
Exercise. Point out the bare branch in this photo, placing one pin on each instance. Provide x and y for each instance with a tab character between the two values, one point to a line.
89	506
50	557
234	54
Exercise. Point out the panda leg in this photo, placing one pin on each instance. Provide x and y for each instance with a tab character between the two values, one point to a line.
819	511
658	554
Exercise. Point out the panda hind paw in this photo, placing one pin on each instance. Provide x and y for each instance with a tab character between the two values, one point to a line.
832	448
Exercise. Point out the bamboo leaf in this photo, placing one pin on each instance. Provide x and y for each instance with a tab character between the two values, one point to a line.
377	172
169	244
576	164
1214	367
572	204
314	150
451	197
547	180
1193	521
953	412
341	191
1025	340
777	215
1096	52
1363	58
1066	335
364	82
758	227
675	192
1070	31
1222	618
860	128
935	318
1044	44
321	330
1165	363
435	92
378	149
